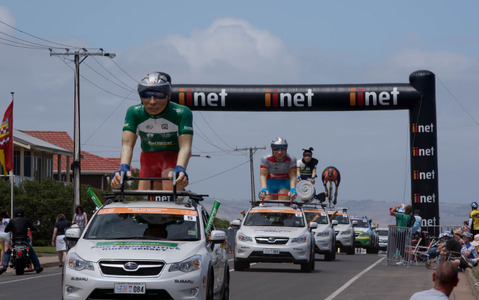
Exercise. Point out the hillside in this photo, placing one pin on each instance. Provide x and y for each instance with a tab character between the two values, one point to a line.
378	211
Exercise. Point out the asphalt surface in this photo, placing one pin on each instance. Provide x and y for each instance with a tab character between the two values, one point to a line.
360	276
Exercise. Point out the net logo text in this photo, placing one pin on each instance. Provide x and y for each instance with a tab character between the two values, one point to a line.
273	98
189	98
358	97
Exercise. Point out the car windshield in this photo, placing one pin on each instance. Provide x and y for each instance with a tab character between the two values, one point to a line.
383	232
145	223
316	216
342	219
286	218
361	223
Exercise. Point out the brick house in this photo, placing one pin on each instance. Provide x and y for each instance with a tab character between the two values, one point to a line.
95	170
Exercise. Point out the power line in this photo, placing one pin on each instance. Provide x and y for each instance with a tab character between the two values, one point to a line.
457	101
225	171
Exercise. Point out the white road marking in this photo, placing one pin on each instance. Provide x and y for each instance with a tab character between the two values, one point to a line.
337	292
29	278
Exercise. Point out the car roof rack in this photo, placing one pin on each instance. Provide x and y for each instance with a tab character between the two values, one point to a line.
118	195
290	203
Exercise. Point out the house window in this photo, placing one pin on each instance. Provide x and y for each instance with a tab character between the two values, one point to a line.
27	163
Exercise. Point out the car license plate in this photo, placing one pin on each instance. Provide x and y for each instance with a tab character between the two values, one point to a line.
129	288
270	251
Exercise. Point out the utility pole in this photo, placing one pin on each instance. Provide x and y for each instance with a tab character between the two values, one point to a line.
76	165
251	153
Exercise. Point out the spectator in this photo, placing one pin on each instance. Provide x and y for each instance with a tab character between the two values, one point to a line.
80	218
403	217
445	280
58	238
416	227
475	242
4	236
474	218
450	249
468	253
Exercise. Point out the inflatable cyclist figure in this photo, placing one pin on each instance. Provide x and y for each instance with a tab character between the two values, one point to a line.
278	172
306	167
166	133
329	177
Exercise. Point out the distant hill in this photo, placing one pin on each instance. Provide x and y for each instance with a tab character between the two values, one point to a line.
378	211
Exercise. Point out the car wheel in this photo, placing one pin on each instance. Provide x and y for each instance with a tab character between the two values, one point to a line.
225	294
350	250
209	287
331	255
241	265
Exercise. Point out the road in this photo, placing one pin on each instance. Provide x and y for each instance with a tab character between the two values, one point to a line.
360	276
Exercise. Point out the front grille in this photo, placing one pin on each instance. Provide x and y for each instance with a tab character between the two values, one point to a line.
150	294
143	268
272	240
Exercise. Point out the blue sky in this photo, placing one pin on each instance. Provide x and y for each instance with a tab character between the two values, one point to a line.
262	42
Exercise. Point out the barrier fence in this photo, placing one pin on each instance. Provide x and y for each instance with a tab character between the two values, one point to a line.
401	238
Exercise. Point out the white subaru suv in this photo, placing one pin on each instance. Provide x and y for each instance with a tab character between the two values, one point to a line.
324	235
145	250
344	230
275	233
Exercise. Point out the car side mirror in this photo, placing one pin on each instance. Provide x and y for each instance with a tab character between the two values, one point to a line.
334	222
373	227
236	224
313	225
72	235
355	223
218	236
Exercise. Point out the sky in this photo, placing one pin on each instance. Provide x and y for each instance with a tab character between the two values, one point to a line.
255	42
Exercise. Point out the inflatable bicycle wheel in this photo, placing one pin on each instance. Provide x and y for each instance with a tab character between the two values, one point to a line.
305	190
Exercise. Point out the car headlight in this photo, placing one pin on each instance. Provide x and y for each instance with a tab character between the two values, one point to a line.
188	265
244	238
77	263
323	234
346	232
300	239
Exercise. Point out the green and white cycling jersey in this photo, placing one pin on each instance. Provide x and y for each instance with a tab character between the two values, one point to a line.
159	132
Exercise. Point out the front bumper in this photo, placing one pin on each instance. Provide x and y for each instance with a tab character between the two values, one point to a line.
254	252
168	285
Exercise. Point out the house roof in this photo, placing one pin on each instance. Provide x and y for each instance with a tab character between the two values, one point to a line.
34	143
90	163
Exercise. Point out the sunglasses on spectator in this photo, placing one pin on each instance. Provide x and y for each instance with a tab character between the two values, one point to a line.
154	94
307	155
279	148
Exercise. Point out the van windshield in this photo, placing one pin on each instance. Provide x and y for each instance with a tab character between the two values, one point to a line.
265	218
126	224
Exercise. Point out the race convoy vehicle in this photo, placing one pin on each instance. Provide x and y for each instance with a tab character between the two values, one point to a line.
383	238
275	232
324	235
147	249
365	235
344	230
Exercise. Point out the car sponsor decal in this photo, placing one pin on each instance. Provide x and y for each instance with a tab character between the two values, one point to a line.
148	210
131	245
274	230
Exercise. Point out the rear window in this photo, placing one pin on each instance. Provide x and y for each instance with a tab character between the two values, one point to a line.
145	224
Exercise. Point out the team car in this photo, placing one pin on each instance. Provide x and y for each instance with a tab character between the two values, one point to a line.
344	230
383	238
365	235
145	249
324	235
276	233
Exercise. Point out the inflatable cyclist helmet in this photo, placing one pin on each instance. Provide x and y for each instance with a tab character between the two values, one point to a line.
474	205
279	142
155	81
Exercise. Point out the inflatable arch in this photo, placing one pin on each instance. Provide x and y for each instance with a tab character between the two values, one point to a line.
419	97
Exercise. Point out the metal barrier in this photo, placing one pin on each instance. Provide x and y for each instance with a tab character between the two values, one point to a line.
400	238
